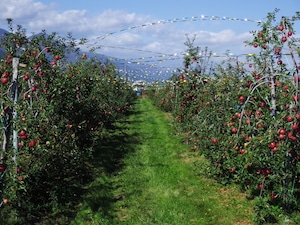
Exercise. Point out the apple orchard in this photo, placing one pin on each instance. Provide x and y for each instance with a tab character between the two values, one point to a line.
243	116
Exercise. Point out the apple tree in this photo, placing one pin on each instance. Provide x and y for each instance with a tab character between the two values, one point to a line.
52	113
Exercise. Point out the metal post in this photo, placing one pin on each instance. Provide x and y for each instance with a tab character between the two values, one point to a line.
15	99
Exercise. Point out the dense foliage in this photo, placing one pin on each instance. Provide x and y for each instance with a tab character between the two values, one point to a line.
244	116
52	111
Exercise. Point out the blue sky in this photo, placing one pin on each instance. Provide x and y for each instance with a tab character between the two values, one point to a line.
164	9
93	19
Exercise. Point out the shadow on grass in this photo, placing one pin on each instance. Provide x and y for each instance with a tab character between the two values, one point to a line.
96	195
108	157
112	148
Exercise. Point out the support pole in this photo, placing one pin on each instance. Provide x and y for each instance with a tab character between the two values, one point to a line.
15	99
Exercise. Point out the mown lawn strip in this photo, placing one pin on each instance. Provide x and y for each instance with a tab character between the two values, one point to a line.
158	183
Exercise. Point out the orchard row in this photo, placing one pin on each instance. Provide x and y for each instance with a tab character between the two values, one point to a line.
244	117
53	114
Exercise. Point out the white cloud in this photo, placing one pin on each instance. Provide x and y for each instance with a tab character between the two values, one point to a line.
67	21
110	20
24	10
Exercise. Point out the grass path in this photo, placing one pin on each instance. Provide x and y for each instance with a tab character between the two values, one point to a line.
155	181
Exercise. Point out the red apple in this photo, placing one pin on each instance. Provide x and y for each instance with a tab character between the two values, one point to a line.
258	112
53	64
282	131
2	168
23	136
281	136
6	74
26	76
277	51
267	171
215	141
262	104
31	144
273	196
290	134
274	150
294	138
56	57
249	83
272	145
26	96
4	80
242	151
295	98
295	126
22	132
283	39
242	98
234	130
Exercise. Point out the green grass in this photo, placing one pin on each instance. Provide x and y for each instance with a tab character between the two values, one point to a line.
149	177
